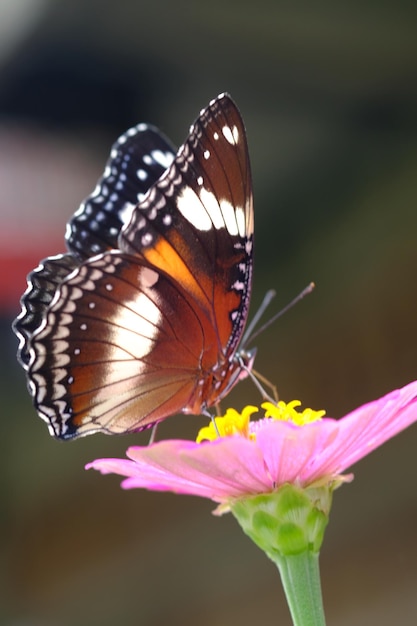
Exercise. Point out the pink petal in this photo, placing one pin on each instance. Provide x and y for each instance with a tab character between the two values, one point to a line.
288	450
217	470
366	428
327	448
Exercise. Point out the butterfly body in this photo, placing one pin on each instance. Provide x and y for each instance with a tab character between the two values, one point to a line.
143	317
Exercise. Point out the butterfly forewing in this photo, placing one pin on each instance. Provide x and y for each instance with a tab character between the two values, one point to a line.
145	314
197	221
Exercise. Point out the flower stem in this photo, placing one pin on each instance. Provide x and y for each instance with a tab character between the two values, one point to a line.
300	577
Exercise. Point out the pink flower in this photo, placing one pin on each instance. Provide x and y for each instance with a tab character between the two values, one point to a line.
260	456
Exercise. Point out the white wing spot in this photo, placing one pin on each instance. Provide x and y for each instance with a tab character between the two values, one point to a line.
149	277
231	134
146	239
126	212
109	287
206	154
77	351
91	305
163	158
167	219
216	136
142	174
83	326
238	285
200	180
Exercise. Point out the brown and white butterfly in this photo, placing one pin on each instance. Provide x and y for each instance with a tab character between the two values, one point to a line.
143	317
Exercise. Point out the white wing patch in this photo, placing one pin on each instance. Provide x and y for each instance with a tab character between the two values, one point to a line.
229	216
192	210
231	134
210	212
132	333
212	207
241	221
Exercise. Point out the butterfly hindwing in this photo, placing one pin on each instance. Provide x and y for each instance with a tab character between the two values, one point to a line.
42	285
114	355
137	160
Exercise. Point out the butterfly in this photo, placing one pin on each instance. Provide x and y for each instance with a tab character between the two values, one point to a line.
143	317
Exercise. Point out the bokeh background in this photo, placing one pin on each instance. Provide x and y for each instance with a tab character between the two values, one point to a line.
328	94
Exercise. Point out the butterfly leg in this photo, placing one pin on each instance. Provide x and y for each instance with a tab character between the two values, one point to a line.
257	379
265	381
213	418
153	434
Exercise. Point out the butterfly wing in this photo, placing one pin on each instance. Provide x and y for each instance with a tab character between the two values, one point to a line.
196	222
114	355
138	333
42	285
137	160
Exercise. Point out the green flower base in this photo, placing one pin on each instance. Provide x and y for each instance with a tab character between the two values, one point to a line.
288	525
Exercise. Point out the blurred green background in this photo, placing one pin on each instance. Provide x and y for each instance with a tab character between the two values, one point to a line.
328	93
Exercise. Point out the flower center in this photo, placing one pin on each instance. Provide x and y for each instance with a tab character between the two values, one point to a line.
234	423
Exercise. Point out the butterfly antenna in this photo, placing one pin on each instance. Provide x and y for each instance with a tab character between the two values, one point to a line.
249	335
268	297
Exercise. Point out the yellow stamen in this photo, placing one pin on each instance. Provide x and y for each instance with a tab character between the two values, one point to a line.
232	423
287	412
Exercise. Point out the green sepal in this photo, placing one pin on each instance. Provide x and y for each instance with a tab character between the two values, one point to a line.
286	522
